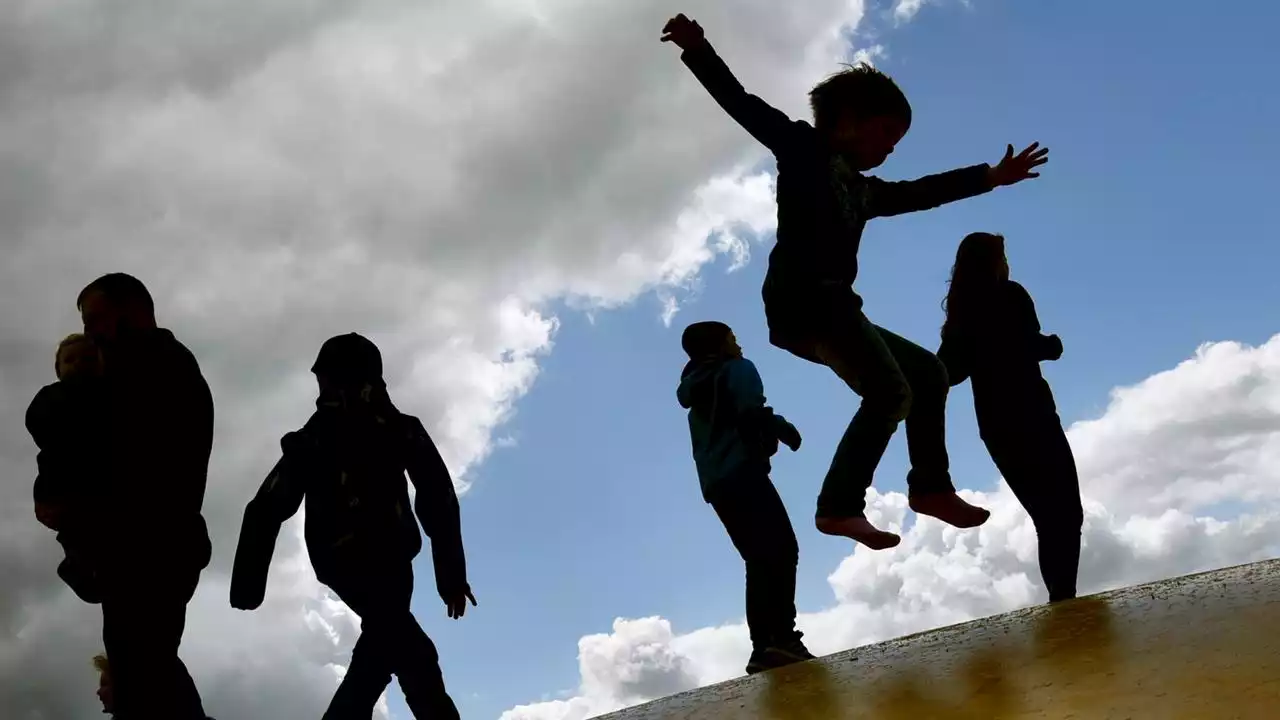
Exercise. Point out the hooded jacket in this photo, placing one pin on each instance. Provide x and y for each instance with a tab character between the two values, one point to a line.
733	432
349	463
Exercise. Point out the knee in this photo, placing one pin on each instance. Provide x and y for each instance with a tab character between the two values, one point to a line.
892	401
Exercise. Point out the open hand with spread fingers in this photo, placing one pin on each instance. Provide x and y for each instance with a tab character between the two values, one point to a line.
682	31
1016	168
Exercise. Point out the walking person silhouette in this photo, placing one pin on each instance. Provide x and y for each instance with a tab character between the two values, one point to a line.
349	463
992	337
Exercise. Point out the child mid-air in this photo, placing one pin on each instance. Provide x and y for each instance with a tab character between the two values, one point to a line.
61	420
734	434
824	201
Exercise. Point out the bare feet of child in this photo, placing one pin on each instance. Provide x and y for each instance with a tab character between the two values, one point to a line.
949	508
859	530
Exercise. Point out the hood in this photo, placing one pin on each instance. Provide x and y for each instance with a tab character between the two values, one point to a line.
696	382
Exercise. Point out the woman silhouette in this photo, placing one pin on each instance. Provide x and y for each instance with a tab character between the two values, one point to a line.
992	336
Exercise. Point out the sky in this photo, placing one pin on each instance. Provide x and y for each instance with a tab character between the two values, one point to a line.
523	203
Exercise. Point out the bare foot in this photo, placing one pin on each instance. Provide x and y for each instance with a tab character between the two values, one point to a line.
859	530
950	509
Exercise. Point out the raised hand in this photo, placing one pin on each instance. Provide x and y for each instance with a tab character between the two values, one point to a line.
1016	168
682	31
457	602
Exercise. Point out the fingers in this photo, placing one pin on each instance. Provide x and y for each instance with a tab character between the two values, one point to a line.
472	598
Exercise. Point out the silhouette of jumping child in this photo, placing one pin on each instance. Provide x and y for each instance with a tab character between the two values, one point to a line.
349	463
992	337
734	434
65	420
824	201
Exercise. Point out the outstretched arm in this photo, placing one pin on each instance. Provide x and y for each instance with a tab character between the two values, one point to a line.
436	505
277	500
886	198
895	198
768	125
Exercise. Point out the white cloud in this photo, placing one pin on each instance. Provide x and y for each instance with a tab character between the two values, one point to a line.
1156	468
429	174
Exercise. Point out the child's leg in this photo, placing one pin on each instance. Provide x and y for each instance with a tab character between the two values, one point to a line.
1035	459
756	520
929	480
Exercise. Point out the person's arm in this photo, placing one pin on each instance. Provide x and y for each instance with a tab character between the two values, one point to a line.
954	355
757	421
1043	347
886	198
768	125
277	500
50	475
436	505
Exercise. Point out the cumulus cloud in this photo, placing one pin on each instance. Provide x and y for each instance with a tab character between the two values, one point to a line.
432	175
1165	471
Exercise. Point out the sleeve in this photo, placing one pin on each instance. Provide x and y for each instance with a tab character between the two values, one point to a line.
1043	347
277	500
745	386
955	357
436	505
47	483
886	198
768	125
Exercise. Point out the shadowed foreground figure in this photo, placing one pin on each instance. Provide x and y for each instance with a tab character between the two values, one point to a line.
733	435
824	202
992	337
67	421
149	535
349	463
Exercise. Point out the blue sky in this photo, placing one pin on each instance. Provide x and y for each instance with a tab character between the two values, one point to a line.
1151	232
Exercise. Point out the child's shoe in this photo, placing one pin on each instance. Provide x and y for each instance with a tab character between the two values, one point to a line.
791	650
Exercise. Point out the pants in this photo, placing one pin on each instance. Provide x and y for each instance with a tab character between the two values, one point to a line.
1029	447
897	380
144	613
391	642
758	525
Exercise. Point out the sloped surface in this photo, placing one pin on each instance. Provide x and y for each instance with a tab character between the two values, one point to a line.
1200	647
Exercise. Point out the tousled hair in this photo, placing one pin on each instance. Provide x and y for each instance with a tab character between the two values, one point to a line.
68	341
975	273
101	663
704	338
121	289
859	89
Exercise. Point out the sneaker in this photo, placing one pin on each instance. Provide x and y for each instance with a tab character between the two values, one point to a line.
759	662
790	651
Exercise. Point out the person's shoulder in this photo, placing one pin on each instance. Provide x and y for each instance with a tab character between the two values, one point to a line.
46	402
1016	289
743	366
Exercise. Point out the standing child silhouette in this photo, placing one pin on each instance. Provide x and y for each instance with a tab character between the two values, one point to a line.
824	201
733	435
992	337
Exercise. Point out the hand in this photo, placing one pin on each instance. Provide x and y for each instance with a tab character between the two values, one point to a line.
1055	347
682	31
49	515
790	437
1016	168
456	602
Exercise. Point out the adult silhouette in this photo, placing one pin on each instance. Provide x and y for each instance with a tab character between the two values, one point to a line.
349	463
153	542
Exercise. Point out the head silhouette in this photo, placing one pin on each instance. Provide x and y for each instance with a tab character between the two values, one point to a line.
980	267
862	113
709	339
115	304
